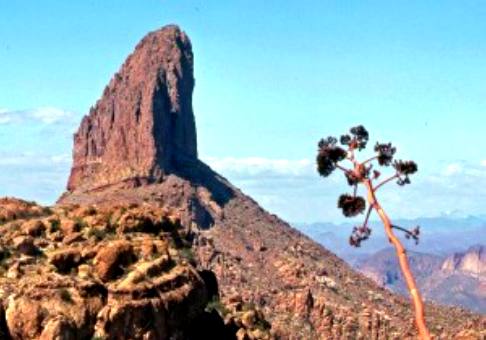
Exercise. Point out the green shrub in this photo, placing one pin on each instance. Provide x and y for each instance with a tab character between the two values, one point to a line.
217	305
66	295
80	223
55	225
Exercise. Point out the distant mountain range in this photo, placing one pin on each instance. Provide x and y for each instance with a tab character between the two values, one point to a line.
447	268
458	279
440	236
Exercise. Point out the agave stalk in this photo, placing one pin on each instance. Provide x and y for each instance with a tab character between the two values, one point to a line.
403	262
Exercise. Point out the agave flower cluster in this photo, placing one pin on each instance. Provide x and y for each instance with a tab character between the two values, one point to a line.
329	155
332	154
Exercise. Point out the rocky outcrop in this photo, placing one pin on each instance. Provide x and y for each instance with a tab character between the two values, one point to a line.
109	283
12	209
471	262
143	126
113	281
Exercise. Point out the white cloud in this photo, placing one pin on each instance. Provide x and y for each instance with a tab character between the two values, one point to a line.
45	115
293	189
50	115
29	159
61	159
453	169
4	119
254	166
5	116
34	177
465	169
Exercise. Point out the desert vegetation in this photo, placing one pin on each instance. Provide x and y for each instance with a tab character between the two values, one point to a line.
332	156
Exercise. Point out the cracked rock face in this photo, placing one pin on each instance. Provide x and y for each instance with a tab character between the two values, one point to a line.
143	126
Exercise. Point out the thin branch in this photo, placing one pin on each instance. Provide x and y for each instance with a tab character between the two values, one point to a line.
369	160
368	213
342	168
355	190
406	231
386	181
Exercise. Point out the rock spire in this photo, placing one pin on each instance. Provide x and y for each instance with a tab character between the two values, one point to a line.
143	126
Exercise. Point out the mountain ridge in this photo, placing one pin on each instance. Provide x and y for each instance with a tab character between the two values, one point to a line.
457	279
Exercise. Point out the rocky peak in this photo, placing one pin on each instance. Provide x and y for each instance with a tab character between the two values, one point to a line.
143	126
472	261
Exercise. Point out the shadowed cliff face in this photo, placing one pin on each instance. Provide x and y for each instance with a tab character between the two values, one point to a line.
143	126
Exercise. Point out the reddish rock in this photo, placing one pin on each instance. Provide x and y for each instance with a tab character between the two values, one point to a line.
25	245
66	259
34	228
143	126
109	261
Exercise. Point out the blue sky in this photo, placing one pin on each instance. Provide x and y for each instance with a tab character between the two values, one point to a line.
272	78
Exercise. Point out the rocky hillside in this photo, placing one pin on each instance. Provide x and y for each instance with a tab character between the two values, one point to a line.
459	279
382	267
136	168
117	272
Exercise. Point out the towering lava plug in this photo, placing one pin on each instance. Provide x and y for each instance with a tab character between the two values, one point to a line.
149	243
143	127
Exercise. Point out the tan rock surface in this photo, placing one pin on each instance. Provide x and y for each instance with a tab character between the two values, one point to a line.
113	284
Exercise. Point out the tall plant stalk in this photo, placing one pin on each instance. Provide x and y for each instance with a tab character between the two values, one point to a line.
403	262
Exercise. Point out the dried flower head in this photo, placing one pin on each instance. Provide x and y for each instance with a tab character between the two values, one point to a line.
414	234
405	167
345	139
360	135
385	153
329	154
351	205
359	234
403	181
327	142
